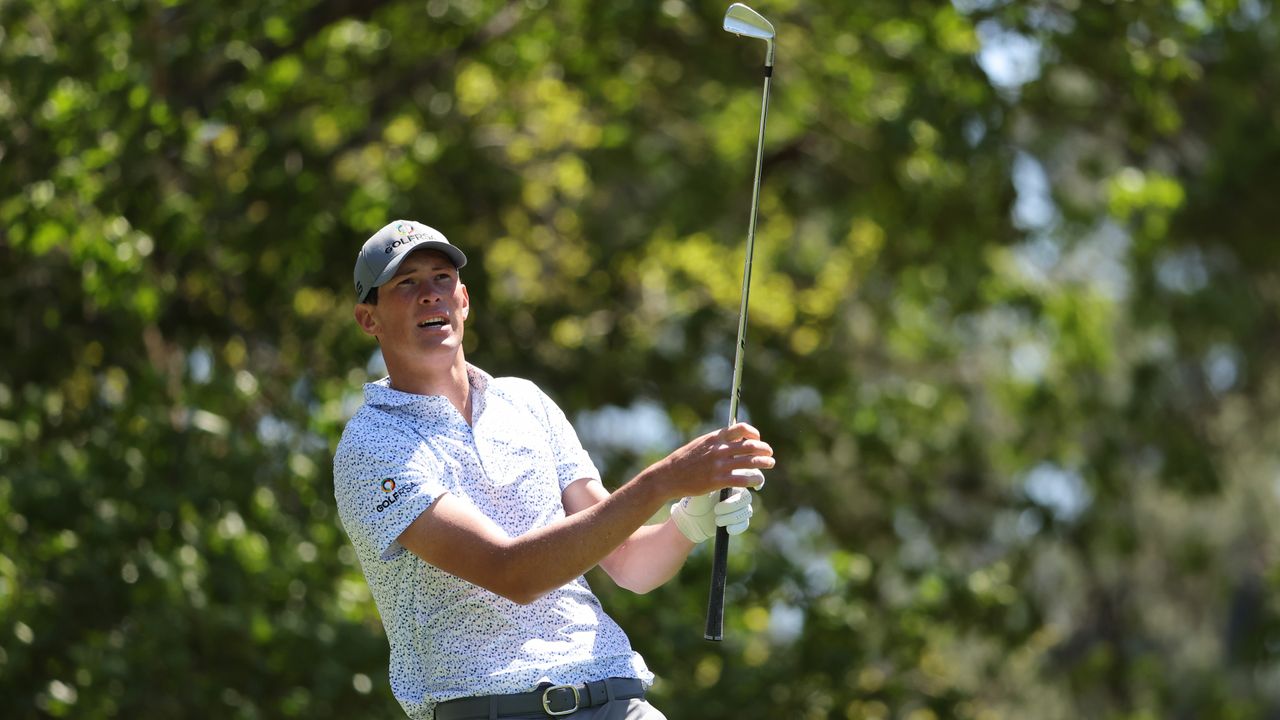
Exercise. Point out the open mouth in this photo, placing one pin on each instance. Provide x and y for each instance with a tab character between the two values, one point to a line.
433	322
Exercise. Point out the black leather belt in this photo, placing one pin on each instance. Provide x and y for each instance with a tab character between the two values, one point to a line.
548	700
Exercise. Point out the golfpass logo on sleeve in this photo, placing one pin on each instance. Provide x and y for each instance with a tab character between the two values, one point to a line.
389	487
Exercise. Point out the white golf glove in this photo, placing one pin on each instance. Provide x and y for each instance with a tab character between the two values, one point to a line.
699	516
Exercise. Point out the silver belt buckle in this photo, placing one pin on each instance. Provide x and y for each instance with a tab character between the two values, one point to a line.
546	700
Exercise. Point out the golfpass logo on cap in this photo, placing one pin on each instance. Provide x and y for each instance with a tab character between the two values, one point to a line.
407	234
386	249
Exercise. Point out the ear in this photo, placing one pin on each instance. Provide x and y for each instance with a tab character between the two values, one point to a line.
465	308
366	320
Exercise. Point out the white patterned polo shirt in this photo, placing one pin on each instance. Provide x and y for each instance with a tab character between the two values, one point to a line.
450	638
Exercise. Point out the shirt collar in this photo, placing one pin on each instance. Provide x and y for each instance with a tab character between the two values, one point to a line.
380	393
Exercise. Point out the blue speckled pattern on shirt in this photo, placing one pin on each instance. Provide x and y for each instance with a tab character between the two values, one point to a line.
450	638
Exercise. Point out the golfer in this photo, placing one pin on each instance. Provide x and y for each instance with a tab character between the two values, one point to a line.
475	512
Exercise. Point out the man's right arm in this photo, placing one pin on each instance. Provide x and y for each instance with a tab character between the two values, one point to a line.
455	537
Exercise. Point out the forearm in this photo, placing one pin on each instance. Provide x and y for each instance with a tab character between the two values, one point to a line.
547	558
650	557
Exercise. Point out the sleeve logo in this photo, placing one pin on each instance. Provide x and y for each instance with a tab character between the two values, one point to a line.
389	487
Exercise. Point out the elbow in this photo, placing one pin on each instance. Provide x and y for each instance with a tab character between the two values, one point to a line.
506	575
637	588
522	597
638	583
518	589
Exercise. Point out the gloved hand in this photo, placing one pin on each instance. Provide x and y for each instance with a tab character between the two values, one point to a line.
700	515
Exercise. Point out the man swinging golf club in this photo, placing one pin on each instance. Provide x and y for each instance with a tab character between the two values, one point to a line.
475	511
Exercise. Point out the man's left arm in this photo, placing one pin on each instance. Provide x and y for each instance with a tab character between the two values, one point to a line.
653	554
650	557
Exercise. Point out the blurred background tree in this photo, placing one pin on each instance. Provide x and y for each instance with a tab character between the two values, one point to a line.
1014	337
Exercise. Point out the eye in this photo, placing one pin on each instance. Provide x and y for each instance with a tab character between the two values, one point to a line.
406	281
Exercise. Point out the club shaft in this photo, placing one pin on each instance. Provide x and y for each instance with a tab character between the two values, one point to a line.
720	559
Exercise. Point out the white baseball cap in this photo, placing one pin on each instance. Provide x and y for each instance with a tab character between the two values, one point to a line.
382	254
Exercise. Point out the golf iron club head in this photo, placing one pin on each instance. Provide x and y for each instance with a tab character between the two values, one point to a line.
742	20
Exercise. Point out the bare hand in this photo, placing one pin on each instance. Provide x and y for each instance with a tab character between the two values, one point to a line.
708	462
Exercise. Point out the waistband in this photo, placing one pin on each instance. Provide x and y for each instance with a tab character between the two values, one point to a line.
548	700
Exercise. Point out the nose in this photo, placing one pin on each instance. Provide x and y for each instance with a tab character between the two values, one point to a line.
431	292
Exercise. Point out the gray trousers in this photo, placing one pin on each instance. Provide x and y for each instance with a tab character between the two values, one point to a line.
634	709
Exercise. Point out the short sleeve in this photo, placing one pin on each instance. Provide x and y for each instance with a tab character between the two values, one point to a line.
382	485
572	460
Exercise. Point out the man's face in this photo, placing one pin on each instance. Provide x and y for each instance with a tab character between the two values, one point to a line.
421	309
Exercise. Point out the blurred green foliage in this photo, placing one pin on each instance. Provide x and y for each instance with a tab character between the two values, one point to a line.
1013	335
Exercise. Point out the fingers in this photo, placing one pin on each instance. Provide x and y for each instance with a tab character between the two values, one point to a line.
752	454
734	514
725	458
743	446
739	463
753	476
739	501
749	447
739	431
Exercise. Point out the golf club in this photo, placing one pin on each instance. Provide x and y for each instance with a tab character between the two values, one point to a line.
744	22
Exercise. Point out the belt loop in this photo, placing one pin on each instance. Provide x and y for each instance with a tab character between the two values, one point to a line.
493	707
608	689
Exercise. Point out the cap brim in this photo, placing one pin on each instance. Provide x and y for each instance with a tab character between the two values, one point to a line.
456	256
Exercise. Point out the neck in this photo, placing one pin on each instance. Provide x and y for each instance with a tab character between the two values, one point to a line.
449	381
